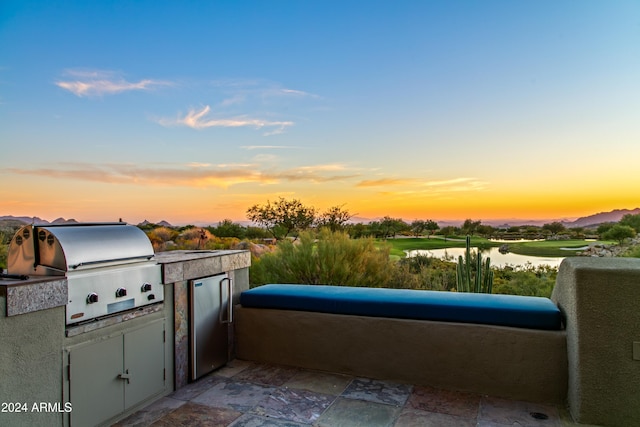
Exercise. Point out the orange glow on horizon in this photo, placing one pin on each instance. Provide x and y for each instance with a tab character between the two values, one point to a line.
91	201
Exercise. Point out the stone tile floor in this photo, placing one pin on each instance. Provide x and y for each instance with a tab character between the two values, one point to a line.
246	394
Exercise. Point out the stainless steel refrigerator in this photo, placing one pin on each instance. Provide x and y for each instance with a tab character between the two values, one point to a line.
211	315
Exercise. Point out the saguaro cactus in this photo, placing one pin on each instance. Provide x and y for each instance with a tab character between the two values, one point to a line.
482	280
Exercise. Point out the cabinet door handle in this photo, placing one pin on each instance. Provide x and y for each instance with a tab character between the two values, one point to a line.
229	301
125	376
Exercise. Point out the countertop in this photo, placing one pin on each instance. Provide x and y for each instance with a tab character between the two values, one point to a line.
31	280
35	293
178	266
190	255
45	292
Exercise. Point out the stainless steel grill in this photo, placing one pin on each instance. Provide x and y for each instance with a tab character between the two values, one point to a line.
110	267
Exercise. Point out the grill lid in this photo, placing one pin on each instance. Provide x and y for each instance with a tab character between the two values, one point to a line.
61	248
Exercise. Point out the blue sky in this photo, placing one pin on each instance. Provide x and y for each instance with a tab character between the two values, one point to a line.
194	111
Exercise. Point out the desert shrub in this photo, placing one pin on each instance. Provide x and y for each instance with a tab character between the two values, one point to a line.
159	237
218	243
335	259
427	278
332	259
525	280
423	272
632	252
4	248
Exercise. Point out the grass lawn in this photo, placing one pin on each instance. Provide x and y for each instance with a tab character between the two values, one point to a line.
546	248
401	244
552	247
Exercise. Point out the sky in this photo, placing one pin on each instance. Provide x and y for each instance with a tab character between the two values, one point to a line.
194	111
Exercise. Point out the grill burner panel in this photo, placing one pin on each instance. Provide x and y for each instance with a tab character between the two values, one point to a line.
110	267
104	285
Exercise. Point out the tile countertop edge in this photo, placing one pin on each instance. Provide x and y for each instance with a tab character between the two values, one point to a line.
178	266
34	294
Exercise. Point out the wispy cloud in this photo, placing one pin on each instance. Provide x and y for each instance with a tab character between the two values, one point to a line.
322	168
383	182
244	89
83	83
201	119
199	174
294	92
233	100
416	188
266	147
448	182
198	165
414	185
190	175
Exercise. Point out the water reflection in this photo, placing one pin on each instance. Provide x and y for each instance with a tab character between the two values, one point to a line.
497	259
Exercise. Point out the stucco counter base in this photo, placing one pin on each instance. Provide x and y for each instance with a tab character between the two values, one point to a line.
517	363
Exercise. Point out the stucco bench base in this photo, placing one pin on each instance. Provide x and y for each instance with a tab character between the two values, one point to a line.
516	363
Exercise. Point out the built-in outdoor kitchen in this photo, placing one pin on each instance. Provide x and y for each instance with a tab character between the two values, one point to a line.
95	325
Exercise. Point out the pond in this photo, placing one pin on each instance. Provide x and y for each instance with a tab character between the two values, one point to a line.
497	259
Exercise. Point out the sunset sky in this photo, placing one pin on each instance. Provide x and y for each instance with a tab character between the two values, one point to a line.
192	111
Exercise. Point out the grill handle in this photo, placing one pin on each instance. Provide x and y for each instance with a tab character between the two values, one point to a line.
104	261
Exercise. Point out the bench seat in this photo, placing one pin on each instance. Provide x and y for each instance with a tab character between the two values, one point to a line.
488	309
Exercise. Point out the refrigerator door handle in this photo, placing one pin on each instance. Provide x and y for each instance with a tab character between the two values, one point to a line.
229	300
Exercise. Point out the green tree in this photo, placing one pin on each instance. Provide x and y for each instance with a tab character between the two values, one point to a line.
391	226
620	233
577	232
227	228
283	217
432	226
418	227
359	230
256	233
632	221
485	230
554	227
469	226
334	218
449	230
374	229
604	227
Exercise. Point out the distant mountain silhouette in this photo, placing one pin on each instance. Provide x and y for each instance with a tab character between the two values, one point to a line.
162	223
64	221
37	220
613	216
599	218
25	219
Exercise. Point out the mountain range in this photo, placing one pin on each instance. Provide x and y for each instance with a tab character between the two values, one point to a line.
595	219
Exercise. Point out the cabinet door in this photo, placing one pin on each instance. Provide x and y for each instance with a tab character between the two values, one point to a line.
144	361
95	389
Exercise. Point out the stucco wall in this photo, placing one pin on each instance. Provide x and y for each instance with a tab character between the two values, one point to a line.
31	364
510	362
600	298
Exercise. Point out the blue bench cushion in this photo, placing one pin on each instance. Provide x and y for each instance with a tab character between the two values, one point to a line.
491	309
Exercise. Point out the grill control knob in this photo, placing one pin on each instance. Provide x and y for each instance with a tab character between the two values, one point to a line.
121	292
92	298
146	287
151	297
